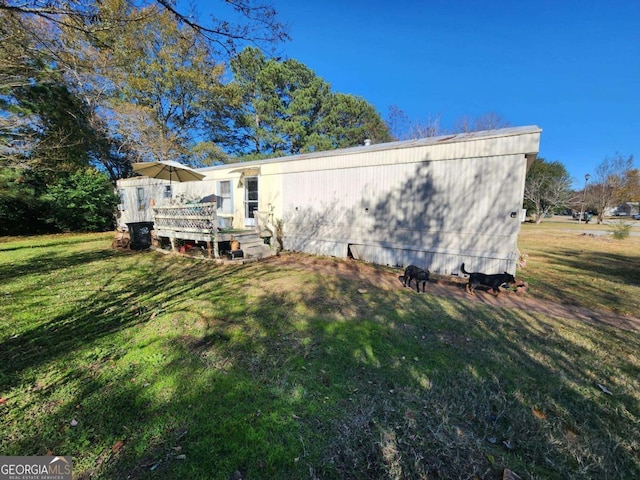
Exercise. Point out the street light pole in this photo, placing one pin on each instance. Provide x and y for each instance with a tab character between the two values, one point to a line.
584	195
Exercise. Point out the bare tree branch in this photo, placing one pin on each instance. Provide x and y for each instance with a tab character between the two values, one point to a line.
257	22
609	182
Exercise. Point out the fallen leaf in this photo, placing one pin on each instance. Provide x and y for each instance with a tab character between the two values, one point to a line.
74	422
181	457
539	414
3	401
117	446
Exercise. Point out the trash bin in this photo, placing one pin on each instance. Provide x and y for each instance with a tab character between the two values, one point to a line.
140	235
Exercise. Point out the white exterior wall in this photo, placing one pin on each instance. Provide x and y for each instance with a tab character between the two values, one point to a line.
433	202
129	209
182	193
435	205
435	214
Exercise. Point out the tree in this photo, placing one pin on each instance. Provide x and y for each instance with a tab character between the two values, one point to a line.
59	129
486	121
284	108
255	23
165	78
345	121
630	191
277	105
45	123
608	188
403	128
92	47
20	204
547	186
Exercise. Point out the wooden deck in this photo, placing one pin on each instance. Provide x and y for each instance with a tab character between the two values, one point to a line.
199	222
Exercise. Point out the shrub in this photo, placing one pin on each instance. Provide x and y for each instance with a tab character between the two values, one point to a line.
83	201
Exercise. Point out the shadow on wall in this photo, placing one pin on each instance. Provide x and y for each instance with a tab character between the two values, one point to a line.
441	216
436	215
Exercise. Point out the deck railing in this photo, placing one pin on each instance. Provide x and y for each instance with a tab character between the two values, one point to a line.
189	222
197	218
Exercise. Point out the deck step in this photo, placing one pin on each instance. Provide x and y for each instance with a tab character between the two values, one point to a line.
253	246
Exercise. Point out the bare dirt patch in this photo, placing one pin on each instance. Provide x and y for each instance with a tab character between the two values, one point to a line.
452	287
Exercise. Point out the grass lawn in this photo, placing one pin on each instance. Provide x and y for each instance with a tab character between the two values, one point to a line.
583	265
142	365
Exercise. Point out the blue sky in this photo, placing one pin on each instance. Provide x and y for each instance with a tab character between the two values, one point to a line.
570	67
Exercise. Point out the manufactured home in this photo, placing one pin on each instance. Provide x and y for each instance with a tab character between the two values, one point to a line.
434	202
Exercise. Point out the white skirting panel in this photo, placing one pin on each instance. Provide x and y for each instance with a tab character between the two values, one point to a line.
436	262
315	246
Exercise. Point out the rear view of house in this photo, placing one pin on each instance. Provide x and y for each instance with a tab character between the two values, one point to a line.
434	202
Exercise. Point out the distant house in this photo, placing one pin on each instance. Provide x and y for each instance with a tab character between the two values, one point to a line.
434	202
625	209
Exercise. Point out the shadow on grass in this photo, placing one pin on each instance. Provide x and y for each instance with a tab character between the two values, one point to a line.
44	265
19	243
585	277
275	373
617	268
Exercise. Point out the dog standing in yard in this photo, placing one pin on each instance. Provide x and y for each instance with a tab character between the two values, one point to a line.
493	281
417	273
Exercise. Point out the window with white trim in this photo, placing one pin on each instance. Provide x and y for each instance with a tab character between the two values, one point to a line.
223	198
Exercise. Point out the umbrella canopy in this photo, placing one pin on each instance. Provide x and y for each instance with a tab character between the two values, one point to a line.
167	170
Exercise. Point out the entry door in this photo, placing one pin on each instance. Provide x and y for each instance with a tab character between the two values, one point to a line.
250	201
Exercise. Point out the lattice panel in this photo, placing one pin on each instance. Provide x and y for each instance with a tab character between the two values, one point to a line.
197	217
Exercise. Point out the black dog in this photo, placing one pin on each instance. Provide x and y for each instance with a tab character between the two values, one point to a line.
419	274
493	281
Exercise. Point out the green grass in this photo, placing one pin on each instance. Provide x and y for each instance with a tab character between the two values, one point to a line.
582	265
142	365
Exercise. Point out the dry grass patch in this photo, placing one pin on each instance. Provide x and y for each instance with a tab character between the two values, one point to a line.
573	268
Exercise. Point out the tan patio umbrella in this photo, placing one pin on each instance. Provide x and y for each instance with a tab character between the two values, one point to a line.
168	170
